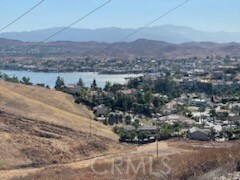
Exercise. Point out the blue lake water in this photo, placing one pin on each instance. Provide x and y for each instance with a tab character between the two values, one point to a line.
70	77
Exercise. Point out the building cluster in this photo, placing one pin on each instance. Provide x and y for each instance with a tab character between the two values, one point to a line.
192	98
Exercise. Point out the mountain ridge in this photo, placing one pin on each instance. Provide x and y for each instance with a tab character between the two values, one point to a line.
168	33
138	48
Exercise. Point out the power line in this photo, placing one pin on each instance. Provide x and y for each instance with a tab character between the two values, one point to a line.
20	17
75	22
126	37
65	28
143	27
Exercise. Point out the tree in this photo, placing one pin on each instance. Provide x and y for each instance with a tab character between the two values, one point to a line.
237	123
167	87
140	98
142	135
135	108
212	134
127	135
166	131
110	103
116	87
133	83
128	120
156	102
120	101
26	81
229	134
94	98
120	118
59	85
213	114
147	110
13	79
111	119
139	108
107	86
201	110
148	97
117	129
80	82
136	123
94	85
177	126
84	93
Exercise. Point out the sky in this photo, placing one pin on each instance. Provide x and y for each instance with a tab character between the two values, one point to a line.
207	15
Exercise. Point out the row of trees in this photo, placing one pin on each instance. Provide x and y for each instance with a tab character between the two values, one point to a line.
14	79
140	103
143	101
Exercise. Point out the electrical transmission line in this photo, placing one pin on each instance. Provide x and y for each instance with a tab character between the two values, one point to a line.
20	17
75	22
65	28
144	27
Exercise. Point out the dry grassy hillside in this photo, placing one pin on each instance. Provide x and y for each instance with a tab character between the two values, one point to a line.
44	135
49	106
178	160
40	127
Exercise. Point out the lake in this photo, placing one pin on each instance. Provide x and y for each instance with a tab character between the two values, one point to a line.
70	77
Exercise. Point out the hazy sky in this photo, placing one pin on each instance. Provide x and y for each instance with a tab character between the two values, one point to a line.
209	15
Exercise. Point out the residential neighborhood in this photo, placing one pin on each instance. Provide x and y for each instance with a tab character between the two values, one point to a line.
182	101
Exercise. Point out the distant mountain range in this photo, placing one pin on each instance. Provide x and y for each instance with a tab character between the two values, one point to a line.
167	33
138	48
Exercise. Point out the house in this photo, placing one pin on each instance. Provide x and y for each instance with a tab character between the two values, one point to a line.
109	95
72	89
129	128
199	134
151	76
235	118
97	96
177	118
128	92
198	102
149	132
101	110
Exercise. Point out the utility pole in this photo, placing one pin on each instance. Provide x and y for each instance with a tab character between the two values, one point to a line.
157	138
90	127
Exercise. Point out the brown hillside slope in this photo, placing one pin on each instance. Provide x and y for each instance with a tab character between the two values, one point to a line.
50	106
40	127
140	47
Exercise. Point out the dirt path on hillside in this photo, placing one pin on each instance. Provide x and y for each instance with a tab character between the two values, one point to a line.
144	150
